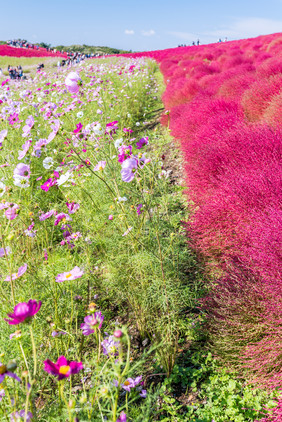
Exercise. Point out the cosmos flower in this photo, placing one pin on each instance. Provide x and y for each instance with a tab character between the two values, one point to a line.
131	383
18	274
25	148
122	417
110	346
100	166
20	416
142	142
21	182
4	372
63	368
72	207
5	251
46	215
48	162
22	170
73	274
91	322
62	216
23	312
129	167
2	189
72	82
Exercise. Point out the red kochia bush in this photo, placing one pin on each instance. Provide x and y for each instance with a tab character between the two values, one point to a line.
7	50
225	110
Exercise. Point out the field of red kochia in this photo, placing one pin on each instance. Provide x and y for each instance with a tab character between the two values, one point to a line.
225	104
7	50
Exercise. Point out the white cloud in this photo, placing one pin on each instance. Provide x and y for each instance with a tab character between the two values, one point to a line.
149	33
247	27
129	32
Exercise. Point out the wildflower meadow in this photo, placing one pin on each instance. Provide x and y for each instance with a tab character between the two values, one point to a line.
128	294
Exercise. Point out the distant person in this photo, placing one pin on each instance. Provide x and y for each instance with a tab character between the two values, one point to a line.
193	43
198	42
225	39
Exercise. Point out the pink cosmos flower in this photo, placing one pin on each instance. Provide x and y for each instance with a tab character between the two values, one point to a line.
142	142
100	166
11	212
28	126
125	152
131	383
127	231
48	184
20	416
62	216
13	118
91	322
72	82
47	214
73	274
72	207
23	312
22	170
129	167
18	274
63	368
25	148
79	126
5	251
122	417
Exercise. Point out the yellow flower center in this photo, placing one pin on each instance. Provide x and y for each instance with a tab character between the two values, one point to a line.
3	369
64	369
126	383
68	275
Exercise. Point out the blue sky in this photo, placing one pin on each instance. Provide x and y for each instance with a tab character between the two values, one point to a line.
138	25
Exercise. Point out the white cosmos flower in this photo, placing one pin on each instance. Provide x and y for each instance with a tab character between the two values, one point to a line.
63	178
2	188
118	142
48	162
79	114
21	182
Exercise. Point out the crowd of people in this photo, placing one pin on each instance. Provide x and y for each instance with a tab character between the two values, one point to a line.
198	42
15	72
25	44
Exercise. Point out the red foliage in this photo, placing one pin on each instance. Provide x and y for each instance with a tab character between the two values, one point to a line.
7	50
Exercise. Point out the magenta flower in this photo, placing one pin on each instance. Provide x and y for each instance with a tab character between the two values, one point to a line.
139	209
63	368
46	215
62	216
22	170
48	184
125	152
122	417
23	312
72	207
100	166
129	167
91	322
5	373
13	118
73	274
142	142
79	126
18	274
72	82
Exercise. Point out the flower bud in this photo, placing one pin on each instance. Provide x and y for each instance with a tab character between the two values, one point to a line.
118	334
